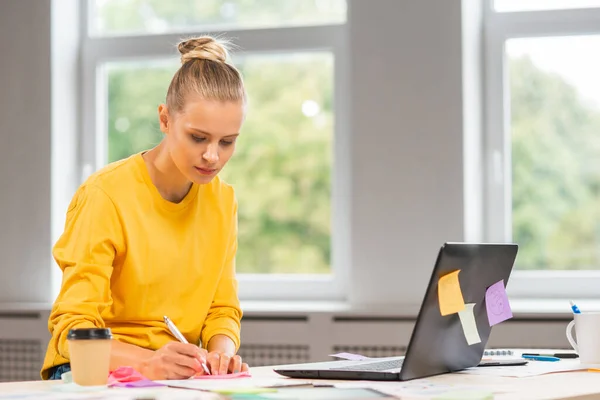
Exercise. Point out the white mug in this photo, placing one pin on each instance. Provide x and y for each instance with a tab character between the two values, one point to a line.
587	327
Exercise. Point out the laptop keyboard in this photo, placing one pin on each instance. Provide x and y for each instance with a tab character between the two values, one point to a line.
376	366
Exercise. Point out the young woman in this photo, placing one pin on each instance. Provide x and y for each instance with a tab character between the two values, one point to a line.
156	235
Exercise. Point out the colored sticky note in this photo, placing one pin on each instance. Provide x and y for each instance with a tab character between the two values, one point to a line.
496	303
469	326
137	384
245	374
449	294
129	377
125	374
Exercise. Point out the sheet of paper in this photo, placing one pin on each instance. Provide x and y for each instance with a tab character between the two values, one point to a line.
68	392
203	384
469	326
533	368
242	391
496	303
349	356
244	374
449	294
421	388
466	395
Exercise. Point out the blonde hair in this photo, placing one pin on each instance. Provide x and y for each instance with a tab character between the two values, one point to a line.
205	72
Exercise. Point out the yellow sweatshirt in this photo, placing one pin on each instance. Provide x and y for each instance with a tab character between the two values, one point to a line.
129	257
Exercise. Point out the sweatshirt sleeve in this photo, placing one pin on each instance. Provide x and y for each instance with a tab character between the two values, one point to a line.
85	252
225	314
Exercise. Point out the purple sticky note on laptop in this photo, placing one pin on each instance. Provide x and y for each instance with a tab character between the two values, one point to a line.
496	303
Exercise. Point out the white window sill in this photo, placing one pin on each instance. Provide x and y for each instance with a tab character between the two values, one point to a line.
522	308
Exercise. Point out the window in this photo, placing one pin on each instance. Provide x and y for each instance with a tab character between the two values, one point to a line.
529	5
555	120
118	17
543	107
285	158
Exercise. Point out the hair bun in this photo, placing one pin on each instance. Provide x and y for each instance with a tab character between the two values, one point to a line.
202	48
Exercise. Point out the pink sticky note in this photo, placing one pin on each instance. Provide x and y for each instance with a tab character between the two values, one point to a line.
496	303
349	356
245	374
125	374
137	384
129	377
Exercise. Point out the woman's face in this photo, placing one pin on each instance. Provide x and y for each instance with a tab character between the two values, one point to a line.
201	137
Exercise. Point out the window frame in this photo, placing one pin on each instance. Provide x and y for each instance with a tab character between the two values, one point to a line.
98	50
500	26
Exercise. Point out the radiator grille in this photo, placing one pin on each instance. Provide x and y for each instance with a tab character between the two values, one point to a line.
20	360
257	355
371	351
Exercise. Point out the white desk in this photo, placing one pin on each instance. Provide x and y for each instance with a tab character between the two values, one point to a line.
567	385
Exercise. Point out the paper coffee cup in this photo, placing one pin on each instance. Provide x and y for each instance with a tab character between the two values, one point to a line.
90	355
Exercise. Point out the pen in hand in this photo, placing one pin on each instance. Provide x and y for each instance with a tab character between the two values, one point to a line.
181	338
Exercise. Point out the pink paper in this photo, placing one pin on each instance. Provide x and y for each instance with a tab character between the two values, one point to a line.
137	384
129	377
245	374
349	356
496	303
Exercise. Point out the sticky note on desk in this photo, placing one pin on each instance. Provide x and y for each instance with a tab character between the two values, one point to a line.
137	384
469	326
496	303
449	294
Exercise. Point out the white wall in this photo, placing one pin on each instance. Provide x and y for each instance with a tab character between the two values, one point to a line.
407	127
406	124
25	155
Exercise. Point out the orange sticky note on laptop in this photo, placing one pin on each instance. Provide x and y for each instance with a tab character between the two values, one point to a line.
449	294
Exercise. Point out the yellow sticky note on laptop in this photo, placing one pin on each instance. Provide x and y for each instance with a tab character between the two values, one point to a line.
449	294
467	320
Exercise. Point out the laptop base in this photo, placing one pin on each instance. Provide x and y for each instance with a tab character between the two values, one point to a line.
333	374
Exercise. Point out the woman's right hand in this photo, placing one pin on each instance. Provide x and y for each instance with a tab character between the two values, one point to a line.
175	360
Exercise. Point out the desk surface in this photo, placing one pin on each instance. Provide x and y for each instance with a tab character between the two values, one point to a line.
566	385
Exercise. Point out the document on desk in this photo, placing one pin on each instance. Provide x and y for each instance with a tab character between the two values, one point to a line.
86	393
199	384
533	368
421	388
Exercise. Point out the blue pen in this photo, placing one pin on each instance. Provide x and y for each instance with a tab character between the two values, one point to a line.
540	358
574	308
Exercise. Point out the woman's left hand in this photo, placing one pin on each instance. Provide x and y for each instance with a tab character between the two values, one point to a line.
222	363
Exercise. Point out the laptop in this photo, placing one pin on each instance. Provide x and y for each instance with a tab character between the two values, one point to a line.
437	344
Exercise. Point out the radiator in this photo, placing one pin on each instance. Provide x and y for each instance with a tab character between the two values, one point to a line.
279	339
20	360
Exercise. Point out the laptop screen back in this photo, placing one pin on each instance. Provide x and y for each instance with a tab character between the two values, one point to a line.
438	344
